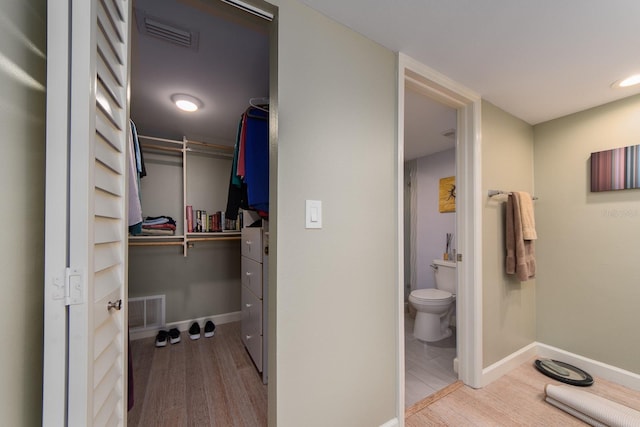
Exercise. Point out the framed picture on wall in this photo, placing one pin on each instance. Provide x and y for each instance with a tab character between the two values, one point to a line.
616	169
447	194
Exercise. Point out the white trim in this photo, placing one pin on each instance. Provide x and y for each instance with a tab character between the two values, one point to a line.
400	374
183	325
468	221
391	423
608	372
250	8
512	361
54	372
597	369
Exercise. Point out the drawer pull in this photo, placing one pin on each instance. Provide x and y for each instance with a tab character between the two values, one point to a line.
248	337
248	305
248	273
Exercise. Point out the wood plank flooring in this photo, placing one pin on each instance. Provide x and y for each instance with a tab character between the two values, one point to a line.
516	399
213	382
204	382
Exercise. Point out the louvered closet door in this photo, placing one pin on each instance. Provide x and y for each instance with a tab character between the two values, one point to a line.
97	237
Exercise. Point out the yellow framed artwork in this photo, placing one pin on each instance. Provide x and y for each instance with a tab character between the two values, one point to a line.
447	194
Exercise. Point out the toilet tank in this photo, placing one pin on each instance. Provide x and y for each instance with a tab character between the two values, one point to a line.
445	272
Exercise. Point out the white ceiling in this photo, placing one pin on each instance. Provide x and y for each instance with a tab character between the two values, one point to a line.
536	59
229	66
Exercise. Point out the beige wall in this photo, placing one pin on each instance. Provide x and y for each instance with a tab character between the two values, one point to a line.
207	281
509	306
588	285
22	116
336	287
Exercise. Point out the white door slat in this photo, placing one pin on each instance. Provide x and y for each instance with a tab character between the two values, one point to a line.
106	255
105	50
106	180
115	46
107	281
107	154
107	409
107	205
104	362
119	8
104	388
104	393
110	84
105	334
106	105
107	131
110	21
107	230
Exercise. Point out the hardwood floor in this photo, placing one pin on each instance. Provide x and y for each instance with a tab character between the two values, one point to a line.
516	399
204	382
213	382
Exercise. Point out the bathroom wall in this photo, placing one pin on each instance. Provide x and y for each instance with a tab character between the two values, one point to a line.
432	225
588	284
509	306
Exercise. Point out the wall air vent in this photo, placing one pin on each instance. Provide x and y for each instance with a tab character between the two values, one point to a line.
161	29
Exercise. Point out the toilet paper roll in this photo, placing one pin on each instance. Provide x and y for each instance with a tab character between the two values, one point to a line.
590	408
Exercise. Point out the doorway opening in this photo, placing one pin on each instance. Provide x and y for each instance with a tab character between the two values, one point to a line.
422	80
220	54
429	222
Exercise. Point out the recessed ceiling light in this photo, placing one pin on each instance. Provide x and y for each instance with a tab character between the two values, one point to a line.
186	102
629	81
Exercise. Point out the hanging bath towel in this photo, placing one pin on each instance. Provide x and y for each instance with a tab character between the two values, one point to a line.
521	259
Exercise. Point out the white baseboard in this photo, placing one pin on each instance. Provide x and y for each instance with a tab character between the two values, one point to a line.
183	325
391	423
607	372
593	367
512	361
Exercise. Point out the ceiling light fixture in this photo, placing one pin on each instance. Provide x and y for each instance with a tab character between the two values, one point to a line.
629	81
186	102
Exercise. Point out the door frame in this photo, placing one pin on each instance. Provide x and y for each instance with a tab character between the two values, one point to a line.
468	216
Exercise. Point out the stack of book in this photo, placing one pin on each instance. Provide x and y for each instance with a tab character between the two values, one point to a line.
199	221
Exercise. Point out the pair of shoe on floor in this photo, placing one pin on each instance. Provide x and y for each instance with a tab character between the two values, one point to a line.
172	335
194	330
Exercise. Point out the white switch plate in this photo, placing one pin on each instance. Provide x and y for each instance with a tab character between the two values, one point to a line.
313	214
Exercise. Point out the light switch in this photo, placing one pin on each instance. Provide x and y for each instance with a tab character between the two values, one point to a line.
314	214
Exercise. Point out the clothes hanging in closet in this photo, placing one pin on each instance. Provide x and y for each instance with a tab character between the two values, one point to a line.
135	166
249	181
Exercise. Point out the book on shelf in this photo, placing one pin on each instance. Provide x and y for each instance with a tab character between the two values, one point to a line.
189	219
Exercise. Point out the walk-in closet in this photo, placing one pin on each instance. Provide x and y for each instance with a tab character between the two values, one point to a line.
200	254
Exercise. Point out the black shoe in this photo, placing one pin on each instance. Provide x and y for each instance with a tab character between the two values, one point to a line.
209	329
174	336
161	338
194	331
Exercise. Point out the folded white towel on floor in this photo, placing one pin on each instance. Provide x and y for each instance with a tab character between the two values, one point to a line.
590	408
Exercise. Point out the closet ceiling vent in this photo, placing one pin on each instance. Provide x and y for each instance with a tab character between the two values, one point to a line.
166	31
449	133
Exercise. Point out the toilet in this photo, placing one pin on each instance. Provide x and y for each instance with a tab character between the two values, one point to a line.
435	306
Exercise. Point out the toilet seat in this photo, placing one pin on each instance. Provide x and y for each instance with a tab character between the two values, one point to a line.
431	295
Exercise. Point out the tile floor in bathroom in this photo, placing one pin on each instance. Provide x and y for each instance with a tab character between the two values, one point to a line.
428	366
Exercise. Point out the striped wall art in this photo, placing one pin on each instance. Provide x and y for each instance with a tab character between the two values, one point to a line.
616	169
